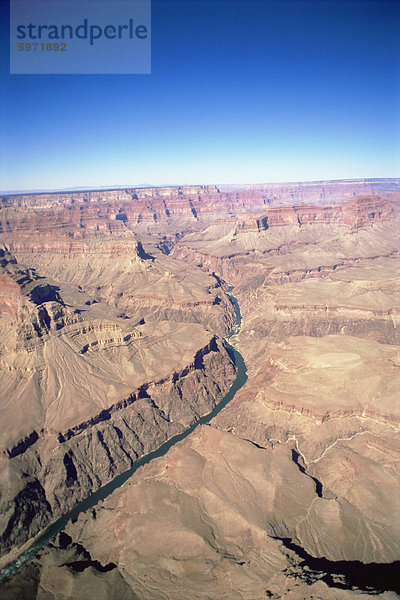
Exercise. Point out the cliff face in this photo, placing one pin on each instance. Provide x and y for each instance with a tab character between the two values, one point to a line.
49	470
186	206
109	209
316	192
104	354
358	212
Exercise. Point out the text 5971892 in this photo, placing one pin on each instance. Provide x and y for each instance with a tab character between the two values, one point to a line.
42	47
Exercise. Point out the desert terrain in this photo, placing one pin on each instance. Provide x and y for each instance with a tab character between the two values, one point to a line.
114	309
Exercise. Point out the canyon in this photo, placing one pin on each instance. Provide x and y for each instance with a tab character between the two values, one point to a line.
114	308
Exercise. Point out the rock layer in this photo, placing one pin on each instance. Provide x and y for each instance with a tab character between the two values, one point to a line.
93	378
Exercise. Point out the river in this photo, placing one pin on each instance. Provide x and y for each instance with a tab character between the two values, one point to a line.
59	525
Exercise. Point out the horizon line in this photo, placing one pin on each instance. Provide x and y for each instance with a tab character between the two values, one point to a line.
83	189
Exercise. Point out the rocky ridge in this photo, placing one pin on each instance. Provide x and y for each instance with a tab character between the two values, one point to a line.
93	378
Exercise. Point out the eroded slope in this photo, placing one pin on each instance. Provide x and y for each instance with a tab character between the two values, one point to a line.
105	353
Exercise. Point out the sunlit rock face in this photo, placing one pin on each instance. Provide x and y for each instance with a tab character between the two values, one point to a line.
292	491
106	351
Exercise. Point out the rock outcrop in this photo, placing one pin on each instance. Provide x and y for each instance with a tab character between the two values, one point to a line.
93	378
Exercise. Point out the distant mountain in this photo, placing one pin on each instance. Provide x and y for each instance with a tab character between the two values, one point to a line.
391	184
78	188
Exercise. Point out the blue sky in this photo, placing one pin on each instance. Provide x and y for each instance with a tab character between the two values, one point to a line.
240	92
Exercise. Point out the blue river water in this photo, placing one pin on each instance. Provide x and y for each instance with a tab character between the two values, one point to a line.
90	502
